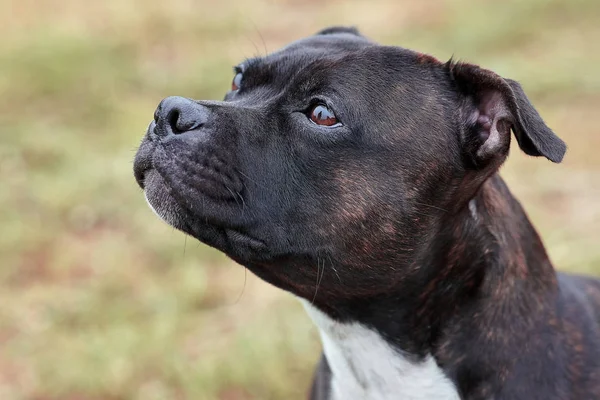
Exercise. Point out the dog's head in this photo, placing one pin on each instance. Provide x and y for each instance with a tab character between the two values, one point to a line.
333	161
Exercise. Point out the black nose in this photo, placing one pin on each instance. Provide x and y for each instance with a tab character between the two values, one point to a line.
176	115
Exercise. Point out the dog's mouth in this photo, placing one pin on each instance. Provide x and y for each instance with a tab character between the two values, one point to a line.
160	200
199	203
142	163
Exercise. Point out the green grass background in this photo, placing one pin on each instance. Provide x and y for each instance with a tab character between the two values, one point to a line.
101	300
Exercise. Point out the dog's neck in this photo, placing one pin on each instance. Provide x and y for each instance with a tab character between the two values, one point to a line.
365	366
488	263
487	285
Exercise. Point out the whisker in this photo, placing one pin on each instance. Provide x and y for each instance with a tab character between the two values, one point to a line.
319	278
317	283
257	51
243	203
232	194
262	39
431	206
251	180
422	213
244	287
334	269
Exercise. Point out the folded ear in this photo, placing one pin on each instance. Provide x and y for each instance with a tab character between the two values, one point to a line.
490	108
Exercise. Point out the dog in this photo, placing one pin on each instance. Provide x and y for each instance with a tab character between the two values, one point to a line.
363	179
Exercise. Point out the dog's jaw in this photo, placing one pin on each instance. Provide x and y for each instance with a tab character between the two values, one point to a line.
160	201
163	215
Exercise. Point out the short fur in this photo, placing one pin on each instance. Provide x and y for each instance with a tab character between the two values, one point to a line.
395	220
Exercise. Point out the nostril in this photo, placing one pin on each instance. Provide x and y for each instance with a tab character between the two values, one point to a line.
176	115
173	120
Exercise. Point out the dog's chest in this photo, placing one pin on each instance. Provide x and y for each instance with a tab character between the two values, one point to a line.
366	367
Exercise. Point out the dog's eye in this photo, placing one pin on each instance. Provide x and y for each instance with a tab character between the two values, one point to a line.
237	82
322	115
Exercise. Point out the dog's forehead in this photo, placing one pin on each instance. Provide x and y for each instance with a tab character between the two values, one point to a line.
318	47
338	42
345	58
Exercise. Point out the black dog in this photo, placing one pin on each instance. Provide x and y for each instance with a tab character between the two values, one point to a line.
363	179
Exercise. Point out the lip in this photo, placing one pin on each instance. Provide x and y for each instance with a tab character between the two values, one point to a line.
212	226
142	162
233	233
140	175
237	237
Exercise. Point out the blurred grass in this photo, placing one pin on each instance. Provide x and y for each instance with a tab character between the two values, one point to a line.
100	300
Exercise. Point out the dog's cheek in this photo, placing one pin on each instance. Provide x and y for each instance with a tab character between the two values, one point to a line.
355	194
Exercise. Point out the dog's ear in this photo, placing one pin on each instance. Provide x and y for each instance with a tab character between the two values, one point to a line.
339	29
490	108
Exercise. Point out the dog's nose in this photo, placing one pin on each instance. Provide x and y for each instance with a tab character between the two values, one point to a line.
175	115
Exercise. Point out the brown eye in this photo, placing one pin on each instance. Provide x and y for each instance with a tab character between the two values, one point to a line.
322	115
237	82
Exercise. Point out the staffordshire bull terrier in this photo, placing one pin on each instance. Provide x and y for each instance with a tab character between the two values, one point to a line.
364	179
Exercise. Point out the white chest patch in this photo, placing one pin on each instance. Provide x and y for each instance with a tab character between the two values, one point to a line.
364	366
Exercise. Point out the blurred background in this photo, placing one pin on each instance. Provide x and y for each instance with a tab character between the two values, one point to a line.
101	300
